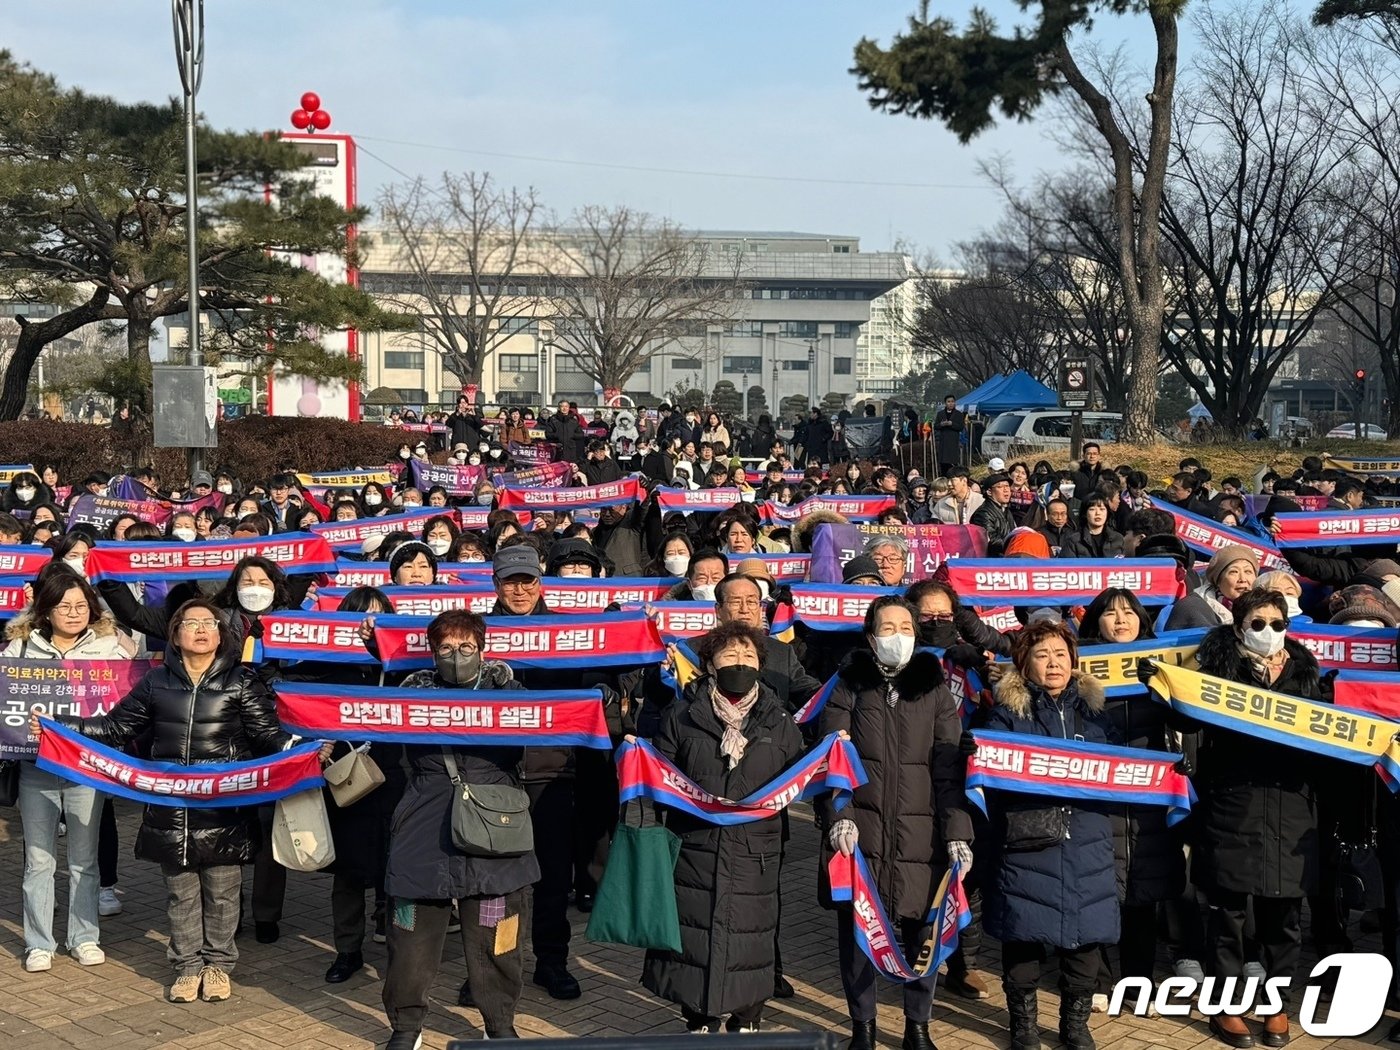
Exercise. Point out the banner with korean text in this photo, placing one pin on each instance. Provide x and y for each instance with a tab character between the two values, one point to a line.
58	688
1058	581
611	494
294	552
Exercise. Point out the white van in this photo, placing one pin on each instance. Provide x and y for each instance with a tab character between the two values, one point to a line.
1015	434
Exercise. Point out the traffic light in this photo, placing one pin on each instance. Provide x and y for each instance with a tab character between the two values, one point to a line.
1358	384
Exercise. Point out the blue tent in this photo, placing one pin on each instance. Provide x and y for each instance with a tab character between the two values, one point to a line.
970	401
1017	390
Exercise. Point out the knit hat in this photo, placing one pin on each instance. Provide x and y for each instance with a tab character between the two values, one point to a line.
862	565
1026	543
1227	556
1359	602
406	552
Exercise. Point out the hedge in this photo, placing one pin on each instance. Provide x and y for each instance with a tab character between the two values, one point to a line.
249	448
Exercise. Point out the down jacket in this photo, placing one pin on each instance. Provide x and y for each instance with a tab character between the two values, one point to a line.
101	641
906	731
227	716
1064	895
727	876
1256	821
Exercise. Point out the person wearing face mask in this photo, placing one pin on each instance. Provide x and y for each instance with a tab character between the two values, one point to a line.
426	872
25	492
909	819
1286	584
485	494
410	499
673	557
1257	840
439	534
182	527
731	736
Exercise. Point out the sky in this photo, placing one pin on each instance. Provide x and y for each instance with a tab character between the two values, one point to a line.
543	94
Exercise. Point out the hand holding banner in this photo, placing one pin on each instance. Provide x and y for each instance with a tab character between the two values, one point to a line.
295	552
1058	581
610	494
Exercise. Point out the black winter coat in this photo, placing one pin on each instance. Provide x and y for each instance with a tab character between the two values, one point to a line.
1084	544
1256	821
912	804
726	877
1064	895
424	864
996	519
228	716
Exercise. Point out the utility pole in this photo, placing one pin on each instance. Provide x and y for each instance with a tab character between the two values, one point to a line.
188	19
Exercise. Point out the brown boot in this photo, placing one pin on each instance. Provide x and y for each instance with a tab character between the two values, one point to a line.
1232	1031
1276	1031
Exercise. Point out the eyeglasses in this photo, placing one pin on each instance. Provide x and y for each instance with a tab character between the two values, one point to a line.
522	583
743	603
72	610
936	617
889	559
200	625
1258	624
465	649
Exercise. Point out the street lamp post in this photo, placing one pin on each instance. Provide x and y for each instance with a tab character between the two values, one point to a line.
188	20
744	394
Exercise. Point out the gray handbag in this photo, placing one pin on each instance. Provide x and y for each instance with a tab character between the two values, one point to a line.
489	820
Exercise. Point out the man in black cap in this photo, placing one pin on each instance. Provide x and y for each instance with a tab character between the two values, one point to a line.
994	515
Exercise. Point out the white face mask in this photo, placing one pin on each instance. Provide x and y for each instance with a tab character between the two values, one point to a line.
373	499
676	564
747	495
439	547
412	504
1067	488
1264	643
255	598
893	650
77	565
1364	623
485	499
1294	609
705	592
25	495
483	446
187	535
226	489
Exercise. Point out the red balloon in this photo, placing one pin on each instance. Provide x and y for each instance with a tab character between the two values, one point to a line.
301	118
311	101
320	120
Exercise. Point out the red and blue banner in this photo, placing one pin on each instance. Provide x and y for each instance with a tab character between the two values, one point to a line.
785	568
213	785
302	635
294	552
543	475
852	508
1341	646
834	544
878	937
617	639
420	601
12	596
1058	581
812	709
834	606
1209	536
23	560
609	494
688	501
833	765
458	479
376	573
354	532
445	717
683	619
1076	769
1337	527
1377	692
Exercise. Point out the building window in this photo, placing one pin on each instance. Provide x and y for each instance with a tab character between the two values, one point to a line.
795	366
411	398
567	365
519	363
518	397
845	330
841	249
686	364
743	363
403	358
840	366
517	325
745	330
798	329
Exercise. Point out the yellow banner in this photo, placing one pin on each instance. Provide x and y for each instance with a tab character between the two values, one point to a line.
351	479
1309	725
8	472
1120	668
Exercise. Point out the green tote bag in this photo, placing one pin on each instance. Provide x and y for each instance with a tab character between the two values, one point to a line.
636	902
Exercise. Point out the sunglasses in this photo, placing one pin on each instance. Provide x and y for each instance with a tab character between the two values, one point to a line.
1258	624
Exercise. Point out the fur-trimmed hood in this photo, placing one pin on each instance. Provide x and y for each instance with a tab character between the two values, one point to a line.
806	526
1015	694
103	627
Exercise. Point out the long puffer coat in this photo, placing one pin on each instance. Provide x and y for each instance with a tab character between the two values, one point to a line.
727	876
906	731
1064	895
227	716
424	863
1256	821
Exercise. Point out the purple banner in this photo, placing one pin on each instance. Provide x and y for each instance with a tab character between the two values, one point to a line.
929	547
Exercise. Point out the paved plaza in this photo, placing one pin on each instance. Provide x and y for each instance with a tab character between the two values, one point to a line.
281	1000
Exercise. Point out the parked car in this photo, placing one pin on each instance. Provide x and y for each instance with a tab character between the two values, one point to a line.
1028	430
1369	431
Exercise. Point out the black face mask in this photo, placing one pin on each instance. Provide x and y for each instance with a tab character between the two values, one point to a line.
736	679
459	670
941	634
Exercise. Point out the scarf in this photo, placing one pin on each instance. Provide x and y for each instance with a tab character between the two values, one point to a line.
1217	603
732	716
1262	666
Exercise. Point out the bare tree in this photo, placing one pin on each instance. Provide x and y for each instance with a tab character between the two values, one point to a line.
625	287
465	244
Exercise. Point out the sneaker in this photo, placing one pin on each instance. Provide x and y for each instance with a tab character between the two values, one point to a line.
404	1041
1189	968
217	986
108	903
185	989
89	954
38	960
1099	1005
1255	970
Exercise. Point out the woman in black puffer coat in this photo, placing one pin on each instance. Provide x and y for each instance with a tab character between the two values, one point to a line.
731	736
910	814
200	706
1256	838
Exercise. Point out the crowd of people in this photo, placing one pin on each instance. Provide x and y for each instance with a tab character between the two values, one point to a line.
1104	890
